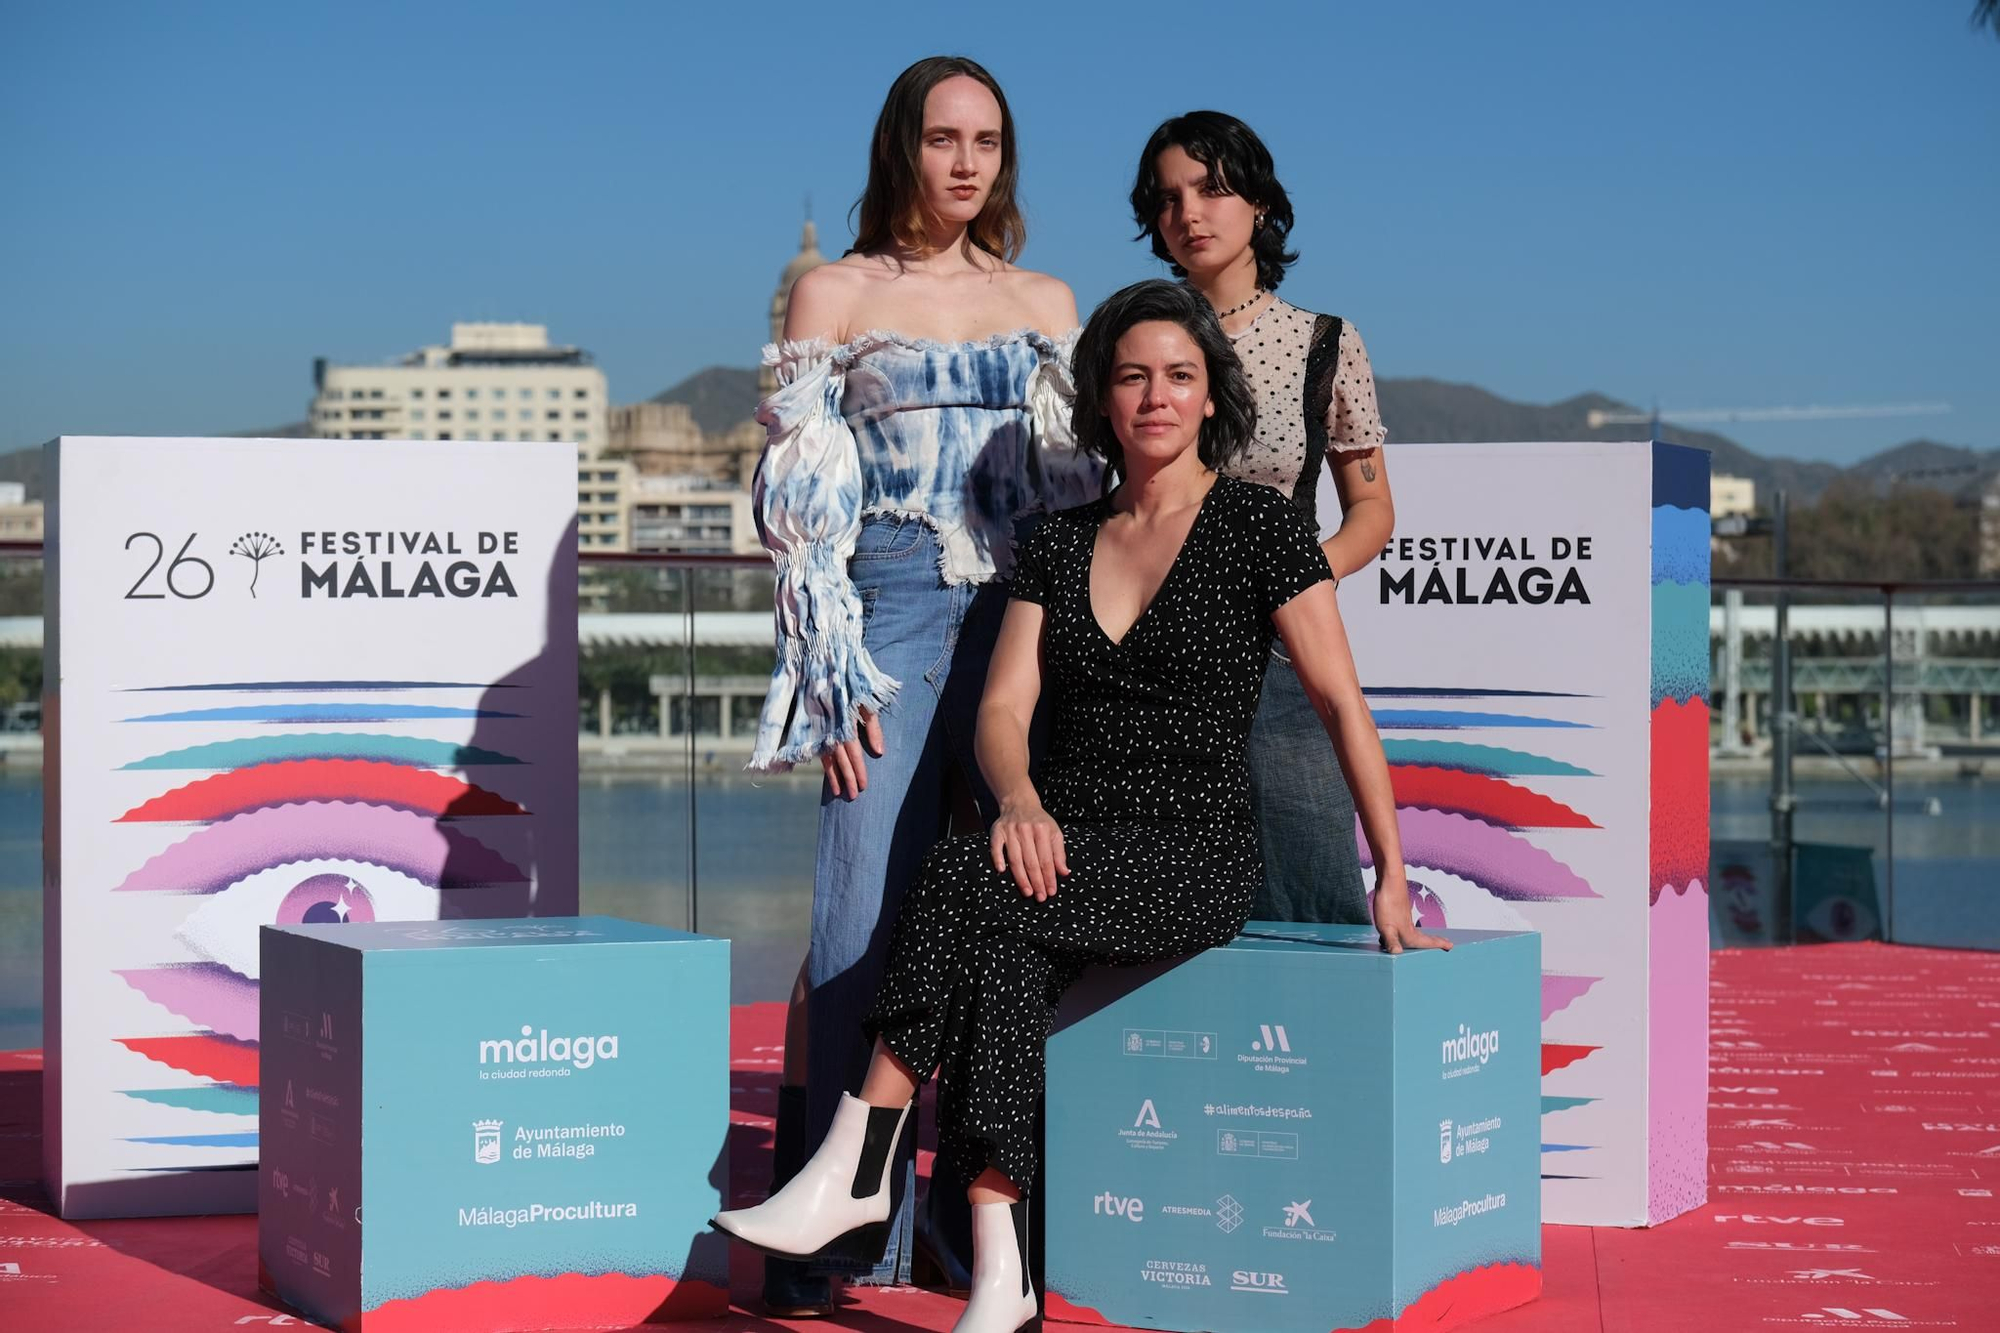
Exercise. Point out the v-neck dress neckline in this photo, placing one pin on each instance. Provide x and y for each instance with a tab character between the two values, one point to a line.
1166	580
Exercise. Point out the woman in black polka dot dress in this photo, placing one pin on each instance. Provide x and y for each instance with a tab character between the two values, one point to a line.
1146	618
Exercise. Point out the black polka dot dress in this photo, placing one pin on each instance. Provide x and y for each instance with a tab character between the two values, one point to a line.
1144	773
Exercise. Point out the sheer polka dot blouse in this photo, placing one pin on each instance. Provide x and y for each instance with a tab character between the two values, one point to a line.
1274	350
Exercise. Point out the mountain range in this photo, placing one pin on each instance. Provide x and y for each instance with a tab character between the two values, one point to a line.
1418	411
1436	411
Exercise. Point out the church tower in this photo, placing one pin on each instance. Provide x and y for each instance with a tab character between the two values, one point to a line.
807	259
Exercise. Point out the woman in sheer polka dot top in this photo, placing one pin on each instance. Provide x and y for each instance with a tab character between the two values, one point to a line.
1143	621
1208	198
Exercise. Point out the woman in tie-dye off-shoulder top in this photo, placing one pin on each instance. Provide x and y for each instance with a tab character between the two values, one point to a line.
921	416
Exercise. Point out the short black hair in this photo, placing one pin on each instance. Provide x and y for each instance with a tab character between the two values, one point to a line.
1237	162
1223	436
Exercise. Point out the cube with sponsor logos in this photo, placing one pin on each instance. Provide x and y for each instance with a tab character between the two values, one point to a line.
1298	1131
492	1125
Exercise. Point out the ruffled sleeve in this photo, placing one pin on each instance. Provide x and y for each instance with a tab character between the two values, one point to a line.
808	500
1064	475
1353	420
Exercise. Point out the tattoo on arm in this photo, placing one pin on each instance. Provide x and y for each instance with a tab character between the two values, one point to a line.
1367	471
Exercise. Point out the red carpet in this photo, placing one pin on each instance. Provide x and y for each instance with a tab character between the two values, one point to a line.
1854	1130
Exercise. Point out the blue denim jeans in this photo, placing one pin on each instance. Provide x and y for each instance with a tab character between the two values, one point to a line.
937	640
1305	814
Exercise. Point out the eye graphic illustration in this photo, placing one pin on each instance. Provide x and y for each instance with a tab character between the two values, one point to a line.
399	840
1481	796
245	751
1492	760
1841	918
1443	900
291	782
1504	864
1561	990
224	928
293	828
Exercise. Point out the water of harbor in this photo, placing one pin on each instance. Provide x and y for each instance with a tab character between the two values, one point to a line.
751	841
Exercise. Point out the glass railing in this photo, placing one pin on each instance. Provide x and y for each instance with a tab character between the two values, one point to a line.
1894	730
1864	804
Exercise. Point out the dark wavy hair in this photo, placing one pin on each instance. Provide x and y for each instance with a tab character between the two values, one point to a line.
1224	435
1238	163
891	204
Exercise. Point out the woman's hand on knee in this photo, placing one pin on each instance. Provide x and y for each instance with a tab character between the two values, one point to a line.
1028	843
846	769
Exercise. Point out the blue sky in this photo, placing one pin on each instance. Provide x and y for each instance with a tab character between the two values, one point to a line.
1707	204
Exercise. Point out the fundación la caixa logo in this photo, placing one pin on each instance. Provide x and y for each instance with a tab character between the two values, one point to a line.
538	1055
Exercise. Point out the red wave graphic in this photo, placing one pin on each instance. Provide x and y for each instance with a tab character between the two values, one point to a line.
1055	1307
573	1300
1556	1057
223	1059
1678	835
1462	1299
371	781
1481	797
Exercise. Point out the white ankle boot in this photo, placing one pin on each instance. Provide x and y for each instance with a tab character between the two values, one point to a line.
1002	1298
844	1187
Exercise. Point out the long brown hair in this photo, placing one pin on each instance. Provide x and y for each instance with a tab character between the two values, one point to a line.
892	206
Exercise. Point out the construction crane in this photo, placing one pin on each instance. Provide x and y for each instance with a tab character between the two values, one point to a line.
1601	418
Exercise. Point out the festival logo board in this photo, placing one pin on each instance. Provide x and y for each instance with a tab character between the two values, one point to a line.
288	682
1534	644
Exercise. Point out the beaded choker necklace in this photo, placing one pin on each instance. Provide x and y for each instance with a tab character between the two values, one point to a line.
1238	309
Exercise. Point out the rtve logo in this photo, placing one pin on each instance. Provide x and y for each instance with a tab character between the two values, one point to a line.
1108	1204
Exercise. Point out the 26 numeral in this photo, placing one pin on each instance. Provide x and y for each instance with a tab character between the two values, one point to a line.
181	558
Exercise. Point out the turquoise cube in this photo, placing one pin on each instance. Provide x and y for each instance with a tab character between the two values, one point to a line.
1298	1132
489	1125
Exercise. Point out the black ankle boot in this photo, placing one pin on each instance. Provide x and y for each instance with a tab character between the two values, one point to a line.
791	1291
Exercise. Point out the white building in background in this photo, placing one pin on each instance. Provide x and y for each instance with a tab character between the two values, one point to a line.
20	517
603	487
1989	530
493	382
691	514
1730	495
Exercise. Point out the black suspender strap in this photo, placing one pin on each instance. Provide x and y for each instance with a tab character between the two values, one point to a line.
1322	365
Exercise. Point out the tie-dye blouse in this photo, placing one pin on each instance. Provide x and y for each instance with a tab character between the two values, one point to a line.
966	436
